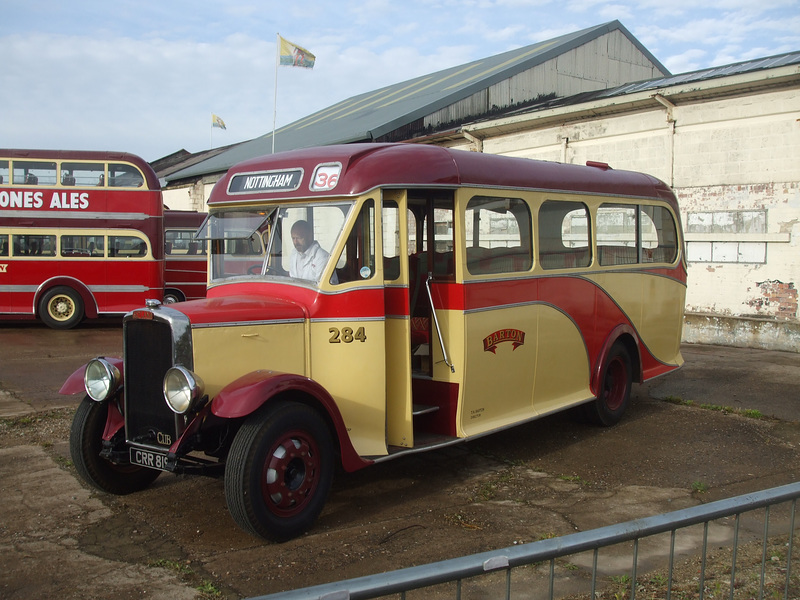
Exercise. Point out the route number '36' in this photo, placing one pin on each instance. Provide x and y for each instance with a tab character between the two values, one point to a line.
346	335
326	176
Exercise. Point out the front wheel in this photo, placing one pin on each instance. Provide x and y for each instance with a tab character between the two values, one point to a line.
85	444
61	308
615	388
279	471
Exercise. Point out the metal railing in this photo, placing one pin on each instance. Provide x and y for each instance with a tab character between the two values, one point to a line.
505	560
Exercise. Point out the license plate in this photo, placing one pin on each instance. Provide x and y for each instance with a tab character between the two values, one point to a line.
148	458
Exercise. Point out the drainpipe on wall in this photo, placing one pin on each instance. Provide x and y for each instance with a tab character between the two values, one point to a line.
671	121
564	144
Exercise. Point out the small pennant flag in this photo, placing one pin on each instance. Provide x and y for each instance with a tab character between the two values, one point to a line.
295	56
217	122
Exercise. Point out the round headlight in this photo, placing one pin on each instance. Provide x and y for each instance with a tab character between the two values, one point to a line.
182	389
101	379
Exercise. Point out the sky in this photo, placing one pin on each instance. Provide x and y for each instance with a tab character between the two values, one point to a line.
146	76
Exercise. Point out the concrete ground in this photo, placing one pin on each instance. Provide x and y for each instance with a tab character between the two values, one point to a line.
59	539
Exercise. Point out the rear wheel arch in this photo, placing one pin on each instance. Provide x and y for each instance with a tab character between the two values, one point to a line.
626	336
89	301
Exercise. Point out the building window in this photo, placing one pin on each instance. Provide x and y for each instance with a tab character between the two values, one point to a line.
719	231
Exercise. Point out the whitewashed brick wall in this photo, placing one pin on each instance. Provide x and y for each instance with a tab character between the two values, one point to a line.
729	154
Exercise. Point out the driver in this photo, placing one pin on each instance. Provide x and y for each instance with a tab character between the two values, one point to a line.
308	259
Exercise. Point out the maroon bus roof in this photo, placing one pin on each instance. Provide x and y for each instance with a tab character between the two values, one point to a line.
77	155
367	166
183	218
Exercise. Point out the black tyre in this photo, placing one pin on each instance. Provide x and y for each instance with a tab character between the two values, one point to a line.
85	443
279	471
173	296
61	308
615	388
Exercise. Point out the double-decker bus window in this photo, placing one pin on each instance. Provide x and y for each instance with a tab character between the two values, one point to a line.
83	246
564	235
82	174
29	172
4	178
357	261
616	234
497	234
182	243
123	246
122	175
34	245
659	235
3	244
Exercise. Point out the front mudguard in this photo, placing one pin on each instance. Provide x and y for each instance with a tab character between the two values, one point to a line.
74	383
250	392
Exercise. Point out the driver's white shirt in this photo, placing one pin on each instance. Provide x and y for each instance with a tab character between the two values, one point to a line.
308	264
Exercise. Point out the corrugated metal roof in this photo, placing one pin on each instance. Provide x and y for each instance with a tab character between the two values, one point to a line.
750	66
369	116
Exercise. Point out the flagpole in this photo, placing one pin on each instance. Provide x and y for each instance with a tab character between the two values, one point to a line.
275	100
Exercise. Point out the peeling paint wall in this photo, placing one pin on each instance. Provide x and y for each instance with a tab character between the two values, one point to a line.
734	163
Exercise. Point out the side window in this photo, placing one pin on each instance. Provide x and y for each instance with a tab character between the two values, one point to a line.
659	235
616	234
442	229
124	246
314	229
29	172
82	246
4	178
122	175
4	244
357	261
390	215
564	235
181	242
34	245
497	235
82	174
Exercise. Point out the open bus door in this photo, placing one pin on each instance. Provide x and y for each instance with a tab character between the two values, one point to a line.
422	390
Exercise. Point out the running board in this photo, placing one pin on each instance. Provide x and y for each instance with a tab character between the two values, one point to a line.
425	442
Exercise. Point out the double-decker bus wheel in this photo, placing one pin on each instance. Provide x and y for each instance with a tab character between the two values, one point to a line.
85	443
61	308
279	471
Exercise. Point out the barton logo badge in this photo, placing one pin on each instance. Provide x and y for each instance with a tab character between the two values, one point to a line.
515	336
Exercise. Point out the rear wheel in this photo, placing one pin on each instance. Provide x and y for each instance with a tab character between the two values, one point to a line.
173	296
279	471
61	308
615	388
85	444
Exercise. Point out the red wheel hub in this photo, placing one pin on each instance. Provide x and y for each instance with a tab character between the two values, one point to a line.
614	384
291	473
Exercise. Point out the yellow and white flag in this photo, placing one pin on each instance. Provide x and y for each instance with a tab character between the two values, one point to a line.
294	56
217	122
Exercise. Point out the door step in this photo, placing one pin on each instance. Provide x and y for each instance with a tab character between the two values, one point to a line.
423	409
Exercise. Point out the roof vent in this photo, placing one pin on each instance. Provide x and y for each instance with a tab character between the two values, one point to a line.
598	165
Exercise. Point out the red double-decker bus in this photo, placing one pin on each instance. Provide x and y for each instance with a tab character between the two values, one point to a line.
185	271
81	235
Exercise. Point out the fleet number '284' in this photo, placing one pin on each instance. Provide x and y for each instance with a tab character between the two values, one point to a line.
346	335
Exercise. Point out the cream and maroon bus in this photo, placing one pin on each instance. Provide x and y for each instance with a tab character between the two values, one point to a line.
370	301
